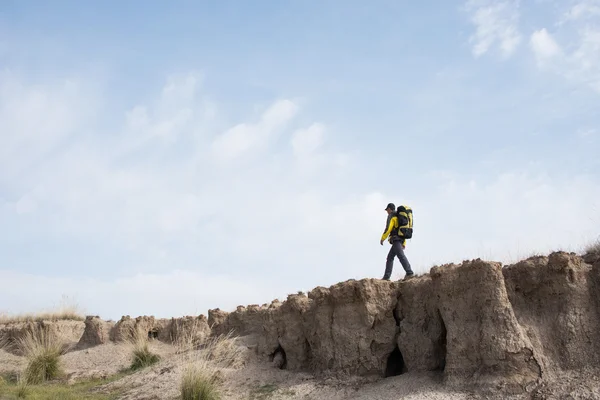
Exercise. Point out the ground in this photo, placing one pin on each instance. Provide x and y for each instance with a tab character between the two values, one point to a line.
256	380
100	373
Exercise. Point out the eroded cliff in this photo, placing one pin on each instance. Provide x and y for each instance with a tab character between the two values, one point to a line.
477	323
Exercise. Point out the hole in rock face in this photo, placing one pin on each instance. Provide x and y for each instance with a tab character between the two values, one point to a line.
395	364
396	316
153	334
309	355
279	358
441	348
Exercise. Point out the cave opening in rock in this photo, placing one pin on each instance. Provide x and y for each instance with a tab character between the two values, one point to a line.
441	347
395	364
309	355
396	316
279	358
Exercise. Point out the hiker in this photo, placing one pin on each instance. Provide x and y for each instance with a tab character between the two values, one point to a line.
398	241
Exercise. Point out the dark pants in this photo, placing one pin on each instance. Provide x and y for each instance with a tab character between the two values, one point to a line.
396	251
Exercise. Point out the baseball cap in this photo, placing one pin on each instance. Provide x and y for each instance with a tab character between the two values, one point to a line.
391	206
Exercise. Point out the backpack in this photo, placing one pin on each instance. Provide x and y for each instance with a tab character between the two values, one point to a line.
405	221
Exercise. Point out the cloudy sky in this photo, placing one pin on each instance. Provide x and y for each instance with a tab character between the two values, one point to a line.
165	159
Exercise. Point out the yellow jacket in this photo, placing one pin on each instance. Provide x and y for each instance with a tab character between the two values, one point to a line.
392	226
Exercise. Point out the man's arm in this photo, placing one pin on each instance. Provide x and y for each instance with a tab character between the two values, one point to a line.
393	222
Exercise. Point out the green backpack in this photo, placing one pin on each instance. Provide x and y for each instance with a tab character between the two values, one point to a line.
405	221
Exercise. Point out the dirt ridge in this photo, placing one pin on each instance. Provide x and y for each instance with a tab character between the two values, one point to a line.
477	322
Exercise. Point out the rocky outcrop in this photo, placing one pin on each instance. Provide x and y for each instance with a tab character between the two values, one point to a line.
193	330
68	332
164	330
484	341
477	322
555	300
421	330
126	327
348	327
96	332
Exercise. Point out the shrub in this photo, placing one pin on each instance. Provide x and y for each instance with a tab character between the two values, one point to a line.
42	348
593	248
142	356
202	375
198	384
190	336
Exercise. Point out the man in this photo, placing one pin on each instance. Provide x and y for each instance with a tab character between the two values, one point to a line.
398	244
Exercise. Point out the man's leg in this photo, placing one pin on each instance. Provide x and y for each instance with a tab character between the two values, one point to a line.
389	264
399	251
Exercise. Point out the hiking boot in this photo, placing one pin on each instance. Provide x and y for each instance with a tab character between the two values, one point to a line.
409	276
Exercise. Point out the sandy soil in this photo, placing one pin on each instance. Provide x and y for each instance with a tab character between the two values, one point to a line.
259	380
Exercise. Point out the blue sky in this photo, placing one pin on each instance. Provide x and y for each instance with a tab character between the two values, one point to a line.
169	158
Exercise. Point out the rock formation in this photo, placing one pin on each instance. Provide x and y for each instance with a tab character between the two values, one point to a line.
478	322
96	332
555	300
165	330
69	332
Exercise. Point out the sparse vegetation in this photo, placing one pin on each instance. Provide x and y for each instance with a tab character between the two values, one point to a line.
199	384
267	391
22	389
83	390
202	375
142	356
66	310
222	352
263	392
42	348
593	249
189	337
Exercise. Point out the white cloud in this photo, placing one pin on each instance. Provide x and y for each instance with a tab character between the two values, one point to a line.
34	120
583	10
306	141
578	59
496	23
543	45
26	204
178	111
506	219
586	59
248	138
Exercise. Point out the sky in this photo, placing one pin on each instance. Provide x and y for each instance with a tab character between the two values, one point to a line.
169	158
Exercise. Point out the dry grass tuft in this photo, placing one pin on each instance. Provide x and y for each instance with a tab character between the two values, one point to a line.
198	384
142	356
223	351
67	310
202	374
42	348
593	249
190	336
